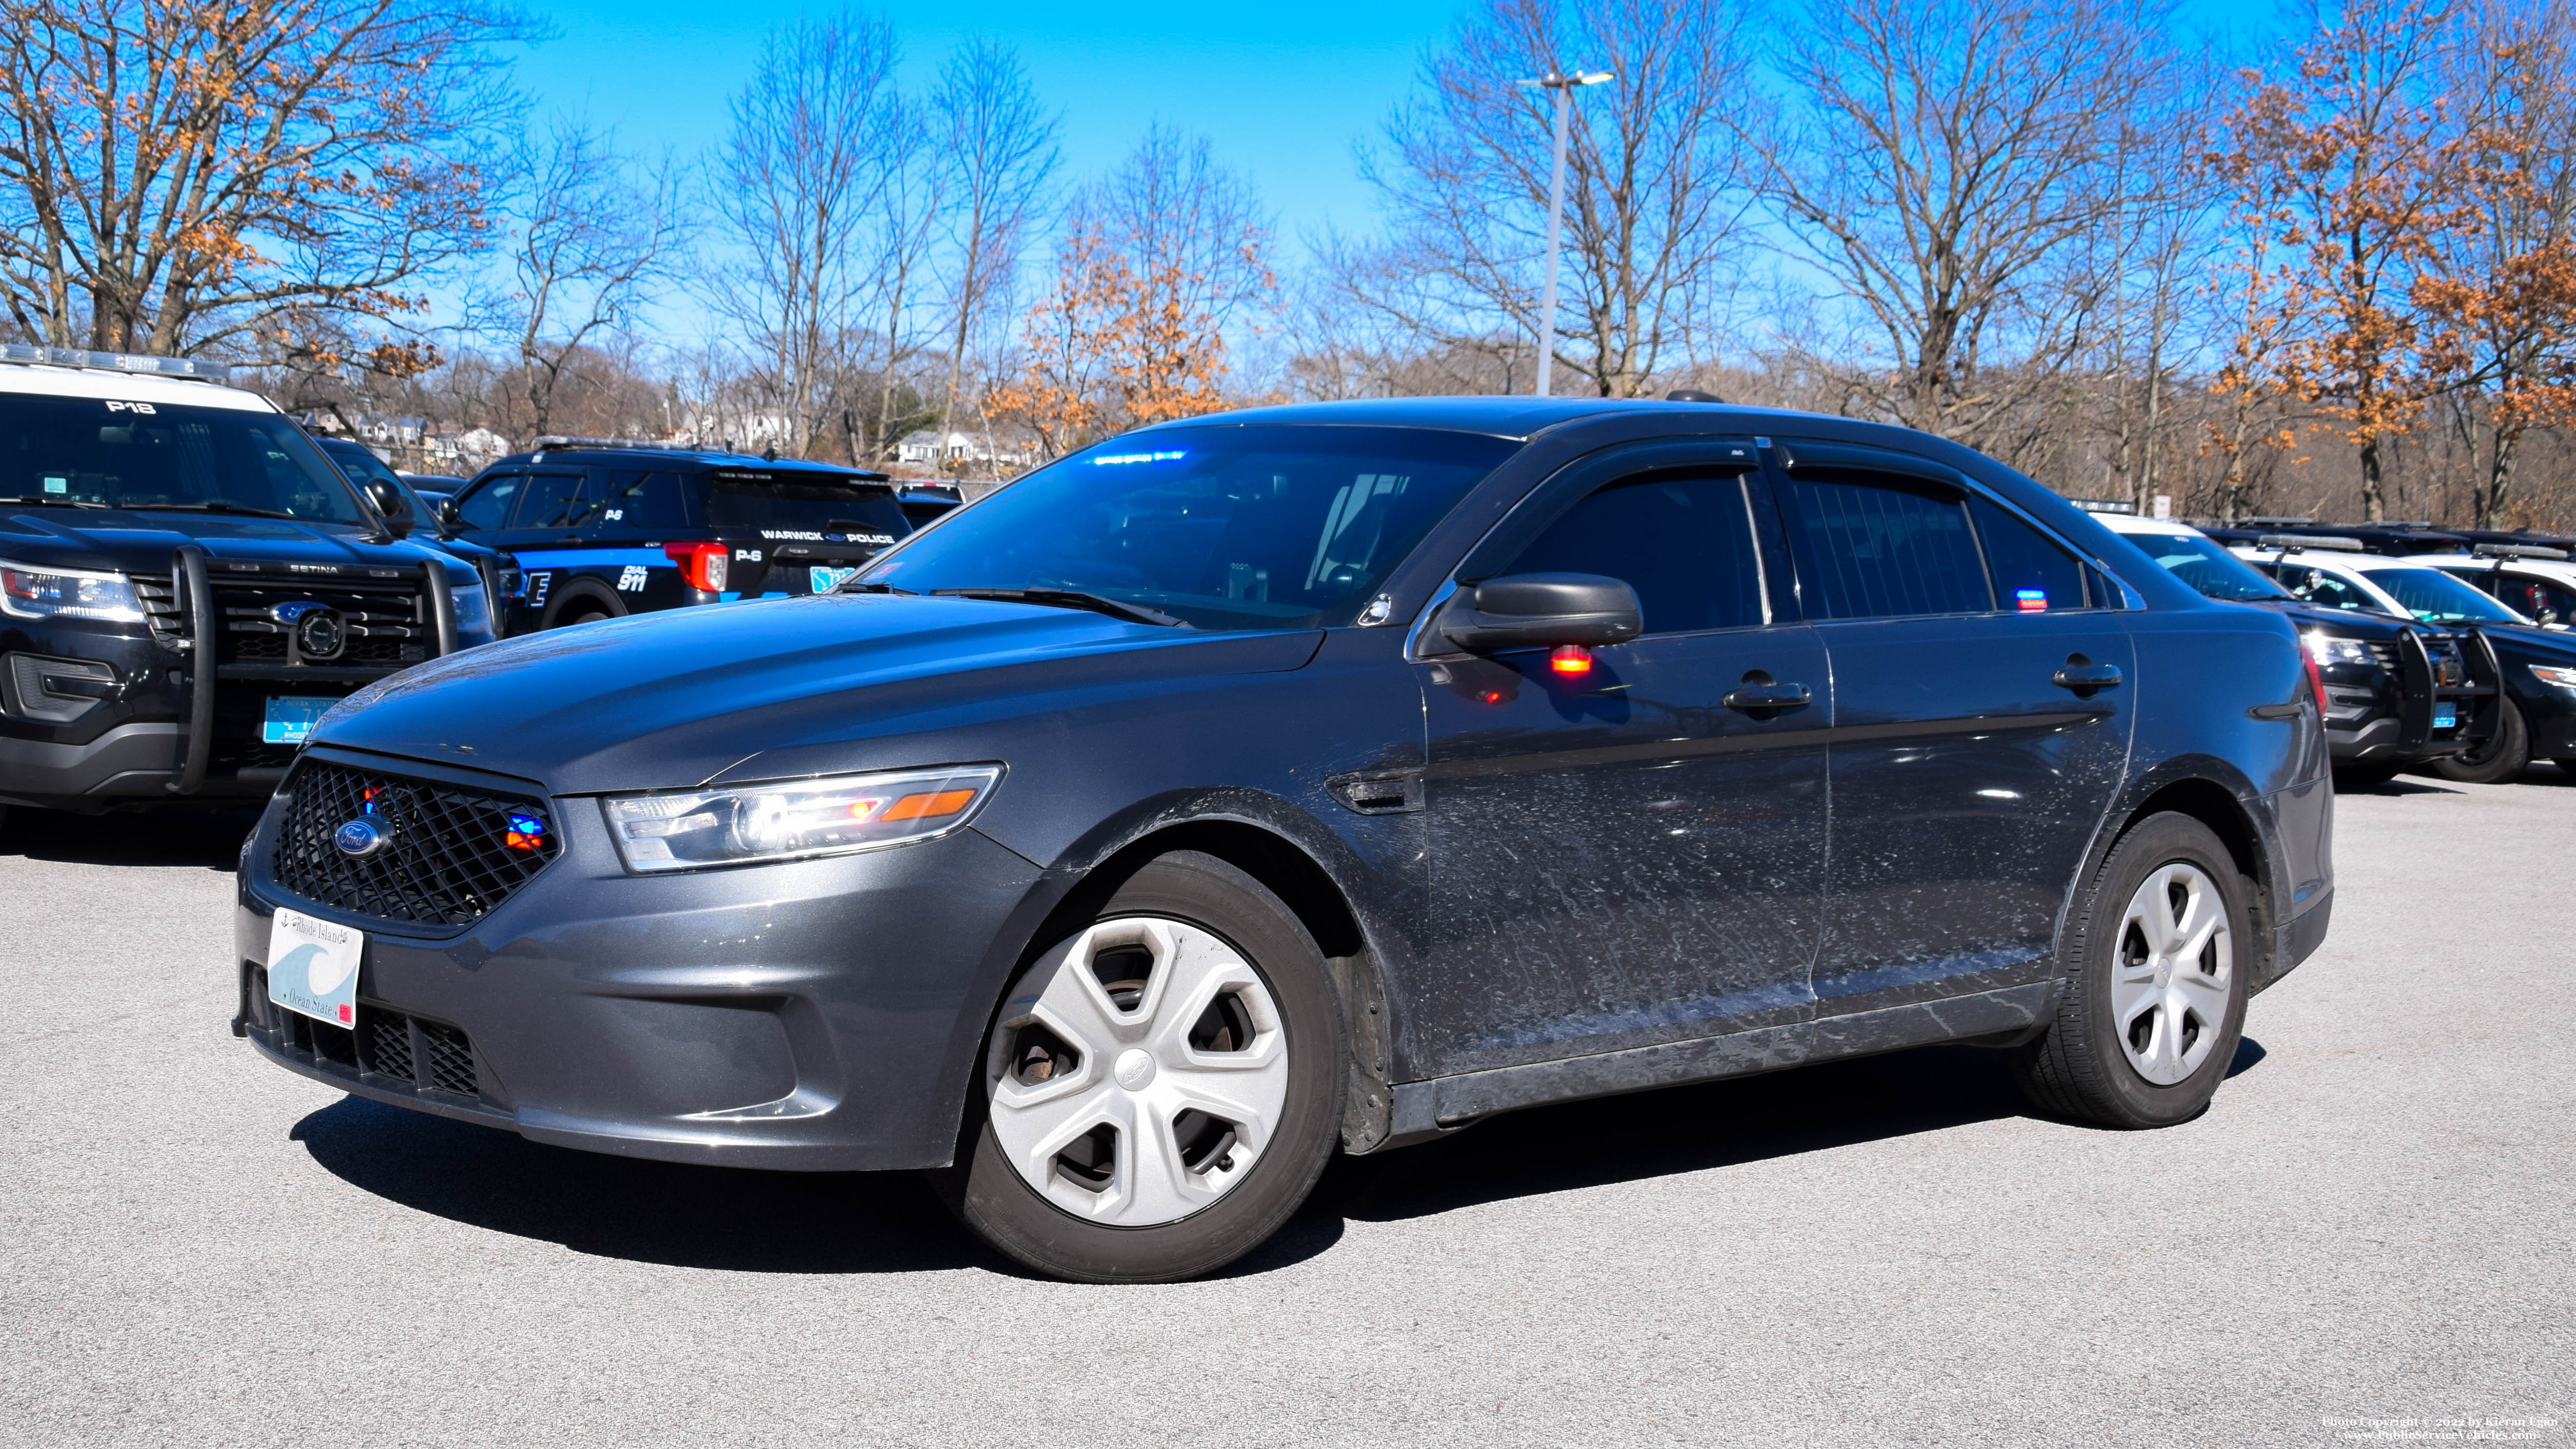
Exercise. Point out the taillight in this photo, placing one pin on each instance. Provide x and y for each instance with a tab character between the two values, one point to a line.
702	564
2316	681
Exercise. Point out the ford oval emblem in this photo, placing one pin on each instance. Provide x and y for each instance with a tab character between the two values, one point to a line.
359	838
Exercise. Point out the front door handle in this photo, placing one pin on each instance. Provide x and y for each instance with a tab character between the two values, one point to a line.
2086	678
1750	697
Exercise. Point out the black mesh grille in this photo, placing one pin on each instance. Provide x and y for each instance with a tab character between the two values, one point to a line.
389	1043
389	1048
447	1061
445	860
2385	651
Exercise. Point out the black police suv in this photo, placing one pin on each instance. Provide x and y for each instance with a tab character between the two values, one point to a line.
1307	779
2397	694
602	529
187	584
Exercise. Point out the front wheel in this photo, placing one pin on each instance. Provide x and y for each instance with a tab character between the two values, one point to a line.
2157	962
1162	1088
2500	756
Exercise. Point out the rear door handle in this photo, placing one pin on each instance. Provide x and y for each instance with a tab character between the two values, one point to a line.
1767	696
2085	678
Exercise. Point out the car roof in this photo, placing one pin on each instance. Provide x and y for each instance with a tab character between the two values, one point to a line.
2555	568
704	457
49	380
1501	417
2132	523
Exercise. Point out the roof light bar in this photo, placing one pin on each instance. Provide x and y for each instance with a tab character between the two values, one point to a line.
183	367
2517	550
2293	542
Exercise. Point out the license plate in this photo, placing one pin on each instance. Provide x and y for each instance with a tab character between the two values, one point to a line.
291	717
313	967
2445	716
825	580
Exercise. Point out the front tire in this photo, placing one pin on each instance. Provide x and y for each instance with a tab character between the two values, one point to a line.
1162	1088
2500	758
2159	956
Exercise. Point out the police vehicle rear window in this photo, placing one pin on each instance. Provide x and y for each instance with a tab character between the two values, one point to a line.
781	504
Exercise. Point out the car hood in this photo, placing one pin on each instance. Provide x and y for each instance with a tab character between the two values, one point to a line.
2531	644
116	539
771	689
2341	621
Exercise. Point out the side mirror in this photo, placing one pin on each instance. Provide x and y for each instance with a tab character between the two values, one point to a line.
395	508
448	514
1542	611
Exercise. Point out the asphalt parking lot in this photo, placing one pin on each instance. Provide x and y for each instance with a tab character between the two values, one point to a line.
2377	1220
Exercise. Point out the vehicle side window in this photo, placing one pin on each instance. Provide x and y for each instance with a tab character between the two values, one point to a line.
488	506
632	498
2538	600
2032	574
550	500
1684	544
2316	586
1886	547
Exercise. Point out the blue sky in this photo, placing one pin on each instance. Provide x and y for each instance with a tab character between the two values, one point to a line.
1281	90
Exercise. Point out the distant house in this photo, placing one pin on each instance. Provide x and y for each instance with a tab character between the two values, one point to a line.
931	448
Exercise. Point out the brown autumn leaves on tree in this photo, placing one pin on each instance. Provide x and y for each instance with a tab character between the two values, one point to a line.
245	177
2406	242
1156	262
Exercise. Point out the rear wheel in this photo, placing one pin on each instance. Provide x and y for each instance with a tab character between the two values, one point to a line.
2154	999
2500	756
1162	1088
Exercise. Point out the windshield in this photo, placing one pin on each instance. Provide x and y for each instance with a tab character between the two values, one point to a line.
2207	566
2437	598
78	450
1225	527
800	505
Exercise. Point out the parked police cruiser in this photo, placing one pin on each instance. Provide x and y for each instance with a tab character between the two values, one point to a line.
604	528
186	584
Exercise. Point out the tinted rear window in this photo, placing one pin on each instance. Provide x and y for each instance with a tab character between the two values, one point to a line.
1886	547
788	505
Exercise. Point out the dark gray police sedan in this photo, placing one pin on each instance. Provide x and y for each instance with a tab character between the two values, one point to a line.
1310	779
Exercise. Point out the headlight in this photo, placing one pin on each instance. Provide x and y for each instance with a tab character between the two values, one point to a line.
473	610
2563	678
788	819
2328	649
68	594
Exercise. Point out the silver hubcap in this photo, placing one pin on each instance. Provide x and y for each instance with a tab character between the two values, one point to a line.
1139	1073
2169	983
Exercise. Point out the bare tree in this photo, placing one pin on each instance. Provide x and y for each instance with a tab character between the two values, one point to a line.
1940	165
1651	215
182	177
591	244
999	147
816	141
2502	288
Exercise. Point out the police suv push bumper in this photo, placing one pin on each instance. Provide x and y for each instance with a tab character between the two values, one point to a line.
824	1027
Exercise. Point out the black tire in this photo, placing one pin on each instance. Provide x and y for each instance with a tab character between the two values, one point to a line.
2078	1068
992	1198
2364	777
2501	757
588	615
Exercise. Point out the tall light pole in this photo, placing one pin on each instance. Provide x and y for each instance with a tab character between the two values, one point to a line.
1563	86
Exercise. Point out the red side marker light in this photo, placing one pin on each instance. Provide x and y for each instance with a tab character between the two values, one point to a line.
1571	660
2316	681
